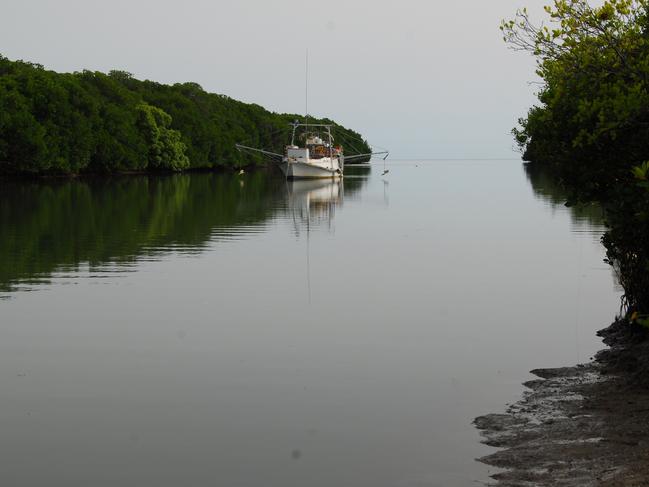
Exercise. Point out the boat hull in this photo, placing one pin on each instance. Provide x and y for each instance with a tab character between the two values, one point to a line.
303	170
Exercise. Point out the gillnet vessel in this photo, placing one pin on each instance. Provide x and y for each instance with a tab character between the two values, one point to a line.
316	156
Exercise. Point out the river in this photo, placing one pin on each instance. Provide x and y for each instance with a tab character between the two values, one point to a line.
217	329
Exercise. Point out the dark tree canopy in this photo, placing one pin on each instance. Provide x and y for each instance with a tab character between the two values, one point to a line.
591	126
62	123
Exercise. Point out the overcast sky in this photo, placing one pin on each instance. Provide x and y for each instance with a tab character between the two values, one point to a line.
425	78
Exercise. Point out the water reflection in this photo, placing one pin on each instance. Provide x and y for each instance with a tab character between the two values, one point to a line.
98	227
218	370
313	202
547	188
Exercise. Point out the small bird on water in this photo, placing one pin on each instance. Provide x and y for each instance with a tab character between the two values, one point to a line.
241	172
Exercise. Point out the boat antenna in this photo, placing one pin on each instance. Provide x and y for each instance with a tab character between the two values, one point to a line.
306	93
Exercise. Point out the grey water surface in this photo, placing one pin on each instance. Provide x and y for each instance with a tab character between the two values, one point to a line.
224	330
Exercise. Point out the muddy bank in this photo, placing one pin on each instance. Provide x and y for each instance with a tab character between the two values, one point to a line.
579	426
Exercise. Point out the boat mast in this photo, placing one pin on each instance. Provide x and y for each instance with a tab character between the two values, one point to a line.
306	95
295	124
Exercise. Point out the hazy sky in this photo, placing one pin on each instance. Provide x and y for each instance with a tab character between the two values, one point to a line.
424	78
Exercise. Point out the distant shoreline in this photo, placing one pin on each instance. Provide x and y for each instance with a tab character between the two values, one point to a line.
105	123
102	175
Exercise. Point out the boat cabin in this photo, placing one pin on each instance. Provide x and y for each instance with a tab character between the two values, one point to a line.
316	148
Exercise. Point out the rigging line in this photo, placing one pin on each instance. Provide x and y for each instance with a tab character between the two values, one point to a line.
347	141
271	136
373	146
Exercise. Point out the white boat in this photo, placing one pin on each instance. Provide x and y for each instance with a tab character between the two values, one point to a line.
317	157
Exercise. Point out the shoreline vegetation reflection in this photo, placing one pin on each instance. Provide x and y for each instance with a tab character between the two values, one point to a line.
67	226
548	189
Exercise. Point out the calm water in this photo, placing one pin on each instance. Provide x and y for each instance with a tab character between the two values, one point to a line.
241	331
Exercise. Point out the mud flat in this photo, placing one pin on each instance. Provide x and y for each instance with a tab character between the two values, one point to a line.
579	426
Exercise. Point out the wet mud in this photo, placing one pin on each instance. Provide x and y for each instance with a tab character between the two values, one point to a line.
586	425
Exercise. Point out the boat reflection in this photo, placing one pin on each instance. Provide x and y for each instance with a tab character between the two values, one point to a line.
313	202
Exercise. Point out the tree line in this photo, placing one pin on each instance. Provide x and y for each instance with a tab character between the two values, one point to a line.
91	122
590	127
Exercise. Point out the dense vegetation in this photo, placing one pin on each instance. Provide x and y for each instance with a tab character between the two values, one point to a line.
591	126
61	123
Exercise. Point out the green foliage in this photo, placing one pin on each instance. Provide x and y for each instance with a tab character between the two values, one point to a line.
166	151
591	126
594	104
53	123
640	172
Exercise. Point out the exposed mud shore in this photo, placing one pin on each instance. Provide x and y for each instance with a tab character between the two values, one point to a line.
586	425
